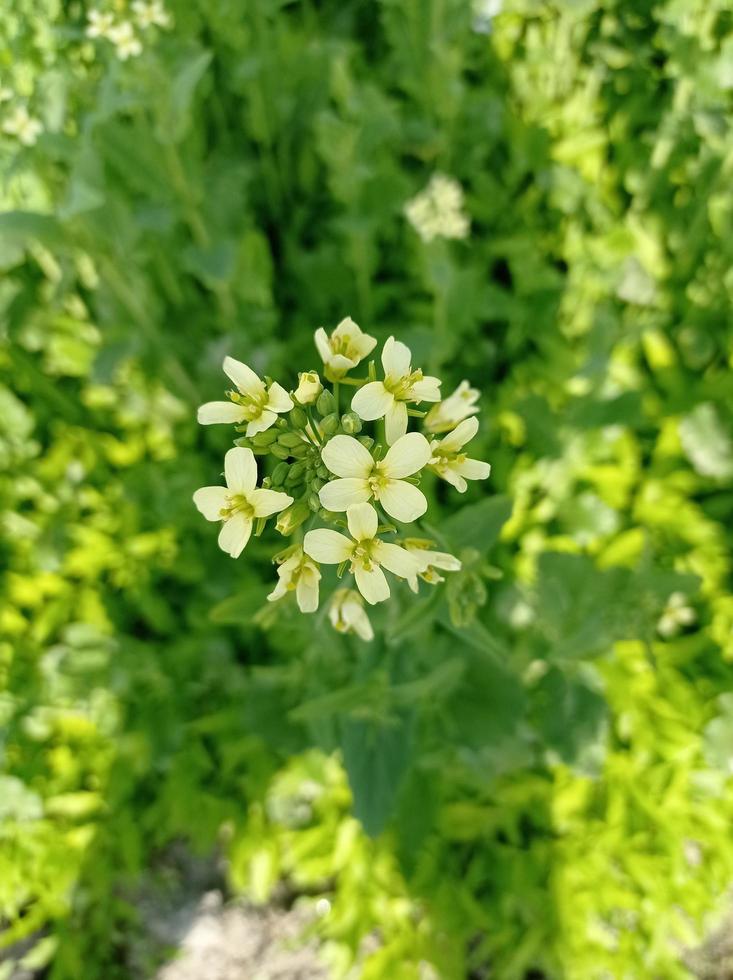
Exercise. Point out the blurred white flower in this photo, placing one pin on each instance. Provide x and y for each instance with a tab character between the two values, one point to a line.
150	13
298	573
451	464
100	23
365	552
240	502
253	403
24	127
388	399
6	93
677	614
347	614
364	479
345	348
454	409
127	44
437	211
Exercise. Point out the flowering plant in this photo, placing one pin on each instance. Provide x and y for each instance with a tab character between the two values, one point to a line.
357	485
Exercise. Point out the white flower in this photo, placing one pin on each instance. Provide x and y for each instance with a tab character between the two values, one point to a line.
23	126
150	13
677	615
429	562
347	614
366	553
127	45
300	574
240	503
254	403
437	211
344	349
309	388
388	399
454	409
364	479
100	23
484	12
451	464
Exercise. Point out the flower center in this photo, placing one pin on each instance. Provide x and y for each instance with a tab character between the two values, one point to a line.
252	405
361	555
401	388
377	482
342	345
238	504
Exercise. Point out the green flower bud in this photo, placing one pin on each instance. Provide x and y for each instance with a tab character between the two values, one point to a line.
351	423
279	474
301	450
329	515
296	472
298	418
265	438
323	472
366	441
330	424
326	403
292	517
279	451
315	484
314	503
290	439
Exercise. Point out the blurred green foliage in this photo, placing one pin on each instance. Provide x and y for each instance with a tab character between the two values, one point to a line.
545	785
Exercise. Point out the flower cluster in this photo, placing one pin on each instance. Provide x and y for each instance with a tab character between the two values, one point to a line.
20	124
437	211
125	34
354	487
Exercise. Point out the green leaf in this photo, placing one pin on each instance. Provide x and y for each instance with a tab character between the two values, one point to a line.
477	525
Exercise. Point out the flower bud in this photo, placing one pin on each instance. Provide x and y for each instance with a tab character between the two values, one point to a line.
296	472
292	517
326	403
290	440
265	438
330	424
314	503
366	441
351	423
279	474
309	388
279	451
298	418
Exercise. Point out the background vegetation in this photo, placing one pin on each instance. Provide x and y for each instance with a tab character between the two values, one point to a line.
545	786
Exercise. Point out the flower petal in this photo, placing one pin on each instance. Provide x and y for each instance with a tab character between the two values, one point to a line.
243	377
339	495
402	500
395	422
373	401
363	521
280	590
473	469
268	502
278	400
408	455
346	328
322	345
426	390
214	412
457	439
396	358
240	470
262	422
234	535
210	502
396	559
372	584
306	591
346	456
328	547
450	476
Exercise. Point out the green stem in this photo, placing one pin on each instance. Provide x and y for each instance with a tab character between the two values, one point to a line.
336	393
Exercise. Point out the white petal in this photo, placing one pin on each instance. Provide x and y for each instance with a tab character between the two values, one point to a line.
457	439
427	390
346	456
408	455
243	377
327	547
268	502
396	422
441	559
214	412
278	400
338	495
280	590
240	470
402	501
450	476
340	364
396	560
373	401
363	521
472	469
361	626
262	422
322	345
346	328
372	585
234	535
306	591
210	501
396	358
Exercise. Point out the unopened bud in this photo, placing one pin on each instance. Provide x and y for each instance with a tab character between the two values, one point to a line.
326	403
290	439
265	438
279	474
314	502
330	424
309	388
292	517
351	423
298	418
279	451
366	441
